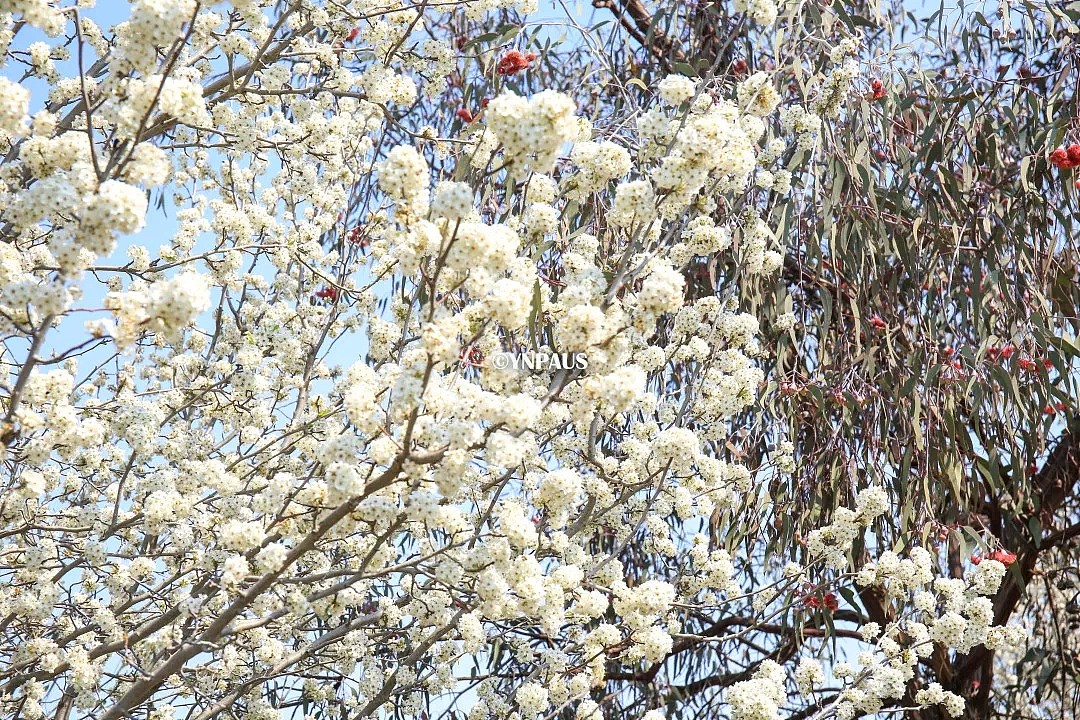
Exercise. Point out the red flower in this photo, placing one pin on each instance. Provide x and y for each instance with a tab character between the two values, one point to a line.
878	323
327	293
484	102
877	89
976	559
513	62
1007	351
471	355
1060	158
353	238
352	34
465	115
828	600
1026	363
787	388
739	67
1005	557
1049	409
1073	151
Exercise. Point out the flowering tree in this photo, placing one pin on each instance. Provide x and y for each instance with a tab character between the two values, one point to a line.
944	363
272	467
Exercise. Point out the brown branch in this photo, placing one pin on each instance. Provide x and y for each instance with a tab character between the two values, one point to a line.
1052	486
718	628
636	20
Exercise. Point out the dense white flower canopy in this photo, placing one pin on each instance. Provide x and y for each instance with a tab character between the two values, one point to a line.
260	466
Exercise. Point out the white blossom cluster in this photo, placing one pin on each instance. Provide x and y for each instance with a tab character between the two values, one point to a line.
932	612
